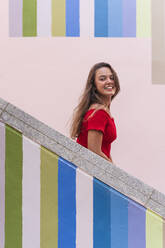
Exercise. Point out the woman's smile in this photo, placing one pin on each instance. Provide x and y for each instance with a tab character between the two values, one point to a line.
108	88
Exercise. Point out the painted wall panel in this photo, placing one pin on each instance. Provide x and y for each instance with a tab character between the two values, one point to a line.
143	18
13	189
2	185
66	204
49	199
72	18
84	210
129	18
158	42
31	194
44	17
115	17
119	220
15	18
58	18
29	17
87	18
101	18
154	230
101	222
136	225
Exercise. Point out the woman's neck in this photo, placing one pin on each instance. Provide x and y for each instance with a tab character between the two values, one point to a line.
107	102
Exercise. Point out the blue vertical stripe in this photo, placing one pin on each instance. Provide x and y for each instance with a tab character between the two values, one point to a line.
101	215
136	225
115	18
101	18
129	18
66	204
72	18
119	220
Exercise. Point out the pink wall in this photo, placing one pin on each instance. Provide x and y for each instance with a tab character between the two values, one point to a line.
45	77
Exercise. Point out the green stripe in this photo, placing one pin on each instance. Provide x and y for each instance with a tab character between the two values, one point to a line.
143	16
49	199
29	17
58	18
154	230
13	189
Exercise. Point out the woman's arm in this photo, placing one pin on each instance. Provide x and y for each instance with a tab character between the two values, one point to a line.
95	142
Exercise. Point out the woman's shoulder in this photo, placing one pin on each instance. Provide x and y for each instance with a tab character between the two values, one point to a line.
97	110
97	106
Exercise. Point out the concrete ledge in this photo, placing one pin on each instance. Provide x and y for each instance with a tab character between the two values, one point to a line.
83	158
3	104
156	207
41	127
158	197
1	111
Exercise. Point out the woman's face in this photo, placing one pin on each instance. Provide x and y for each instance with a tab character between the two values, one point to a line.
104	82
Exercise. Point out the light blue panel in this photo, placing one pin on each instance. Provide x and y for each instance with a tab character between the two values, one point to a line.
101	18
136	225
115	18
119	220
72	18
66	204
129	18
101	215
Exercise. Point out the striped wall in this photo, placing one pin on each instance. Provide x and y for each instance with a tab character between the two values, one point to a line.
74	18
123	18
47	202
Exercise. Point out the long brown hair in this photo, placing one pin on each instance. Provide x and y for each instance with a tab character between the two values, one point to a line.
90	96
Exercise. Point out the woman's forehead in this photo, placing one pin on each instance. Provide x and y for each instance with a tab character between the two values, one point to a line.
103	71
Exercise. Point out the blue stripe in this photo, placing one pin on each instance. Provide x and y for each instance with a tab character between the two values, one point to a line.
72	18
66	204
101	18
101	215
136	225
119	220
129	18
115	18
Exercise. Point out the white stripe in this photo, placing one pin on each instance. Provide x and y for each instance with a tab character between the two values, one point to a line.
84	210
87	18
44	17
2	185
31	194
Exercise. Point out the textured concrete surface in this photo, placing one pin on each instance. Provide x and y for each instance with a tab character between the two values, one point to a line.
158	197
41	127
86	160
1	111
156	207
3	103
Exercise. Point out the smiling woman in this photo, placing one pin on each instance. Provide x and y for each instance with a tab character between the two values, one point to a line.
92	123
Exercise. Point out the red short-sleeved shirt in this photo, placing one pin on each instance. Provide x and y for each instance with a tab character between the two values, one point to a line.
100	121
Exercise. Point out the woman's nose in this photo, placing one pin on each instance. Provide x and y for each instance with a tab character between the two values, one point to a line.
109	80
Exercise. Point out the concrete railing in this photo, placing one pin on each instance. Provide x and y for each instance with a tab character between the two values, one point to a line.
89	162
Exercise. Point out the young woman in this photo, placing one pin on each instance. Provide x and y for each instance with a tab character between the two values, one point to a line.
92	123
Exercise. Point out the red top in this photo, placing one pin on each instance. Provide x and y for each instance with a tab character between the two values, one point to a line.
100	121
